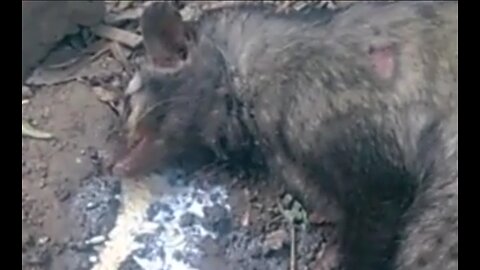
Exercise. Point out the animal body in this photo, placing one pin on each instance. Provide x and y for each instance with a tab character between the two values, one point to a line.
354	110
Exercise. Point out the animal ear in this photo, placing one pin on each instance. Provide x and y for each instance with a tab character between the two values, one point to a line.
165	36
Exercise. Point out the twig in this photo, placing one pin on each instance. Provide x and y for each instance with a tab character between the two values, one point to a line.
293	249
291	219
130	39
64	64
246	216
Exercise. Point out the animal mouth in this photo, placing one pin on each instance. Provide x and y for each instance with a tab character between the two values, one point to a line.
138	157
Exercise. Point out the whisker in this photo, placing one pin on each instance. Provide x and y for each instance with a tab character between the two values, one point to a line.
159	104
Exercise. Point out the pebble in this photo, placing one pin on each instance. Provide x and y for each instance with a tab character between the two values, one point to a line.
43	240
93	259
91	205
96	240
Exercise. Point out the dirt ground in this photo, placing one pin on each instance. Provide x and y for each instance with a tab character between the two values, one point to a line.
69	198
54	170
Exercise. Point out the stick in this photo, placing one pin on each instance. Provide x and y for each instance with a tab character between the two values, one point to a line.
292	247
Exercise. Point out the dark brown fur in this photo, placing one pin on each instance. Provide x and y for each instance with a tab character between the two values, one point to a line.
354	109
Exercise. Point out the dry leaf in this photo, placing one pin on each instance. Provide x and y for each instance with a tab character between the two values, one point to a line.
43	75
28	130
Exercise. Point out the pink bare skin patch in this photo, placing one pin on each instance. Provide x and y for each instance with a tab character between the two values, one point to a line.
383	61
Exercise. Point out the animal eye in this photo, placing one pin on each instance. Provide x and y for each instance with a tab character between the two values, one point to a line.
182	52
